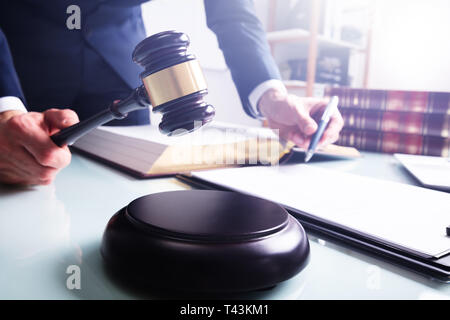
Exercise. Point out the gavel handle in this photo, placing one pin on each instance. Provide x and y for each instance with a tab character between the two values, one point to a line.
138	99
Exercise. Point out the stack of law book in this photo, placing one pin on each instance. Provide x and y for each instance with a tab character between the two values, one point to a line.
412	122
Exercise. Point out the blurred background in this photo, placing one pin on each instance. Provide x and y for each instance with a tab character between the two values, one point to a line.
376	44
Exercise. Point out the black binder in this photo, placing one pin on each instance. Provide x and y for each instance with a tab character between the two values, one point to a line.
436	269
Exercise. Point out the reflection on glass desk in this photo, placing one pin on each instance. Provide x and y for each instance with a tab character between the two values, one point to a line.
44	230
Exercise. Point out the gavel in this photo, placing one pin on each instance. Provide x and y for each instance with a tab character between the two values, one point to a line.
173	84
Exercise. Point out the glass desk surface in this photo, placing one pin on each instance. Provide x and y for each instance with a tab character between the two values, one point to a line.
45	230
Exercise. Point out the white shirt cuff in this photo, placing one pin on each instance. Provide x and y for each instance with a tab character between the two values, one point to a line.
11	103
258	92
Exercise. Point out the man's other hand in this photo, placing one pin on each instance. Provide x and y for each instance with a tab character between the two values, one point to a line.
296	117
27	154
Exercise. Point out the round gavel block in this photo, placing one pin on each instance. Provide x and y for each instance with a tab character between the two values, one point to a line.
204	241
174	82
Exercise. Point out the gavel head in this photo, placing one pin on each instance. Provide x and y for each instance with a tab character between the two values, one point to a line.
174	82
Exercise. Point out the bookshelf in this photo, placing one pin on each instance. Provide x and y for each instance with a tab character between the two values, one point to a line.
312	41
293	35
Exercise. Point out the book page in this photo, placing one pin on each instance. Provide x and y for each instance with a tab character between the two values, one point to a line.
143	149
221	133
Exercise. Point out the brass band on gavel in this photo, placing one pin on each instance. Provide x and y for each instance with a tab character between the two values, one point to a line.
174	82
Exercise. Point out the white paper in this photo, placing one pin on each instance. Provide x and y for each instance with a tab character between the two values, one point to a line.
213	133
409	216
139	147
430	171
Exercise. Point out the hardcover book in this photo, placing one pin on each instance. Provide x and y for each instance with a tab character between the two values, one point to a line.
392	100
393	121
389	142
428	124
143	152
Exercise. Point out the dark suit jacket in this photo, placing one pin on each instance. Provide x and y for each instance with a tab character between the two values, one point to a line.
9	82
45	51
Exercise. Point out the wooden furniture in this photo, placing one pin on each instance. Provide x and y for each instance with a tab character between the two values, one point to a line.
313	39
204	241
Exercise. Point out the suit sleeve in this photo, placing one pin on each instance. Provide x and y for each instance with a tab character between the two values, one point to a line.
243	43
9	82
124	3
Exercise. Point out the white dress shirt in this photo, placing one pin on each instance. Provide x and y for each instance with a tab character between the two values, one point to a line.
259	91
11	103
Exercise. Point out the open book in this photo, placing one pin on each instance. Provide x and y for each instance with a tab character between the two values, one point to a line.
144	152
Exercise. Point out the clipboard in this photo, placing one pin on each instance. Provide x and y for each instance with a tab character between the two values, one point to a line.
436	268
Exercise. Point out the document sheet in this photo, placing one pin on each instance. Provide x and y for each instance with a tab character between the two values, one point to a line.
430	171
406	216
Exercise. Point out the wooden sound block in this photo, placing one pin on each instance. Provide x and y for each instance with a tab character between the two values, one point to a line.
204	241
